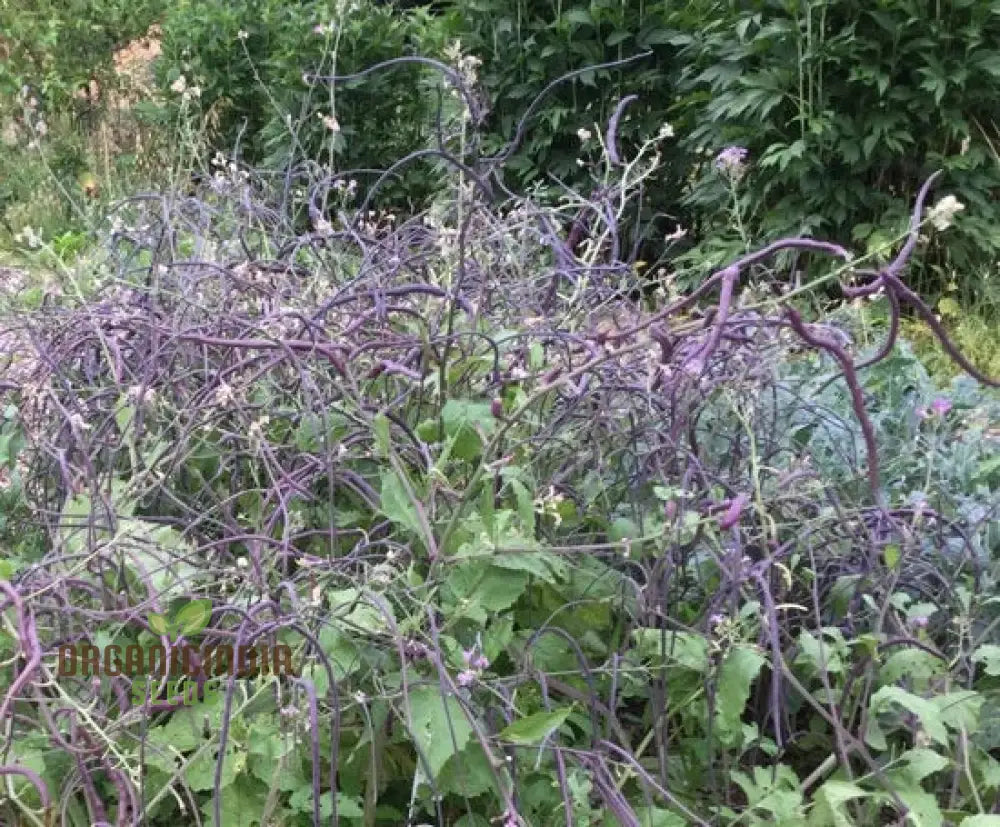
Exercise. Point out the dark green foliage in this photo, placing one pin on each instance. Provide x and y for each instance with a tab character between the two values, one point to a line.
249	59
845	107
527	45
56	46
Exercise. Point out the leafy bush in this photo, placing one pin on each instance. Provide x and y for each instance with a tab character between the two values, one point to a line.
58	46
247	58
845	107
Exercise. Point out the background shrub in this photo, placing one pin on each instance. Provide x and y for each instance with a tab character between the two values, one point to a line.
248	59
845	107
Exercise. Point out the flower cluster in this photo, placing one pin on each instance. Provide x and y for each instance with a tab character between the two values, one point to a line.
732	162
475	662
943	212
180	87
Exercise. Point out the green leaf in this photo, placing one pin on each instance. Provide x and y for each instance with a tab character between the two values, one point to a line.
437	725
192	618
989	655
467	773
467	423
891	554
124	414
829	801
158	623
658	817
923	809
536	727
200	773
621	529
380	429
579	17
926	711
980	821
482	591
681	649
960	709
923	762
525	507
348	806
396	503
737	674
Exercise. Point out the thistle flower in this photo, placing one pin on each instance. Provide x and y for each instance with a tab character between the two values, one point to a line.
940	406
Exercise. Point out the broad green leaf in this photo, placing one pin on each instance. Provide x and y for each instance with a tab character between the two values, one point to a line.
348	806
544	565
480	590
158	623
466	423
916	664
525	507
960	709
736	676
658	817
682	649
352	609
926	711
437	725
457	413
160	553
396	504
923	762
241	804
380	429
621	529
467	773
829	802
124	414
980	821
537	727
923	807
989	656
193	617
200	773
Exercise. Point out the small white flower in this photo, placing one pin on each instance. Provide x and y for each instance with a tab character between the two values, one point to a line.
584	135
179	85
256	430
666	131
942	213
323	227
676	235
224	395
330	122
242	34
